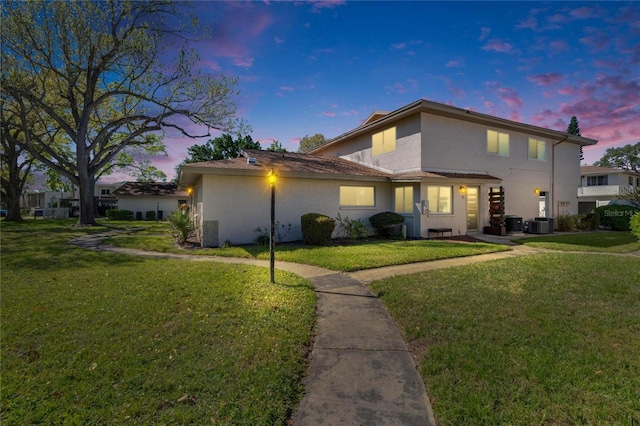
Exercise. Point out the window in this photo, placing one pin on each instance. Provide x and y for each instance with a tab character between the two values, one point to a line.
597	180
497	143
630	180
357	196
384	141
105	192
537	150
404	199
440	199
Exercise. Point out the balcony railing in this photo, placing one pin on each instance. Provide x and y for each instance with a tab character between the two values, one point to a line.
603	190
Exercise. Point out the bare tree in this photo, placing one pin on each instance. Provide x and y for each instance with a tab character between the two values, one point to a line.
98	75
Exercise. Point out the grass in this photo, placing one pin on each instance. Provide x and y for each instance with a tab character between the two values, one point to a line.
346	258
100	338
603	241
550	338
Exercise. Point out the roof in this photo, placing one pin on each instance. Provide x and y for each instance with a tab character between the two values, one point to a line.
592	170
149	189
443	175
378	121
287	163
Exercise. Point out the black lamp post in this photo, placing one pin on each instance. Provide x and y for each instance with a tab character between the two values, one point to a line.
272	241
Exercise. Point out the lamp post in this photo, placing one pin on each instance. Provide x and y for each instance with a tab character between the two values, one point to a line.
272	241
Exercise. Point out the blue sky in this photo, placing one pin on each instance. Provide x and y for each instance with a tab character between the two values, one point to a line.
324	66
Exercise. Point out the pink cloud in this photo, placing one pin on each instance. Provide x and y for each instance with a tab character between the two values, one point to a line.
396	88
329	114
558	46
497	45
510	97
531	23
278	40
582	13
595	38
286	88
318	5
545	79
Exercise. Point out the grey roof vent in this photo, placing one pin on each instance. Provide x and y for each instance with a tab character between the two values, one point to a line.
251	160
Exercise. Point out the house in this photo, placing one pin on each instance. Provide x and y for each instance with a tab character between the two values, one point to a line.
435	164
599	186
161	198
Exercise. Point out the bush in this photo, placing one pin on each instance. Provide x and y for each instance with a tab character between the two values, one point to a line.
616	216
385	222
317	229
114	214
635	225
150	215
589	221
352	229
181	223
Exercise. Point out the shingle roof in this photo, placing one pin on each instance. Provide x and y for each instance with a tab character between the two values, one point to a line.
587	170
290	162
443	175
149	189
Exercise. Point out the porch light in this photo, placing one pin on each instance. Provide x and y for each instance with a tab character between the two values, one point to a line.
536	190
272	178
463	189
190	190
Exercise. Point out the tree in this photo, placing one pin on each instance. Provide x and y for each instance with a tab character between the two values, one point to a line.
574	129
276	146
98	74
307	143
221	148
626	158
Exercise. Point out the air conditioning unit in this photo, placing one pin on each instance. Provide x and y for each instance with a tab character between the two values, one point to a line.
538	227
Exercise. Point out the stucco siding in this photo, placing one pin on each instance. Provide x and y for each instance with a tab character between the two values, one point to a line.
144	204
241	204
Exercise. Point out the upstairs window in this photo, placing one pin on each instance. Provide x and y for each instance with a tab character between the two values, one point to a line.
357	196
384	141
537	149
597	180
440	199
498	143
105	192
404	199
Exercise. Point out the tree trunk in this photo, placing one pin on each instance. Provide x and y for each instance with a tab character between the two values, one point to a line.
87	203
13	206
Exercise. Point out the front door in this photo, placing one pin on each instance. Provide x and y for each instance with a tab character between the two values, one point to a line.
472	208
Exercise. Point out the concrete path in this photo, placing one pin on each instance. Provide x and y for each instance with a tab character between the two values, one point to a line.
361	372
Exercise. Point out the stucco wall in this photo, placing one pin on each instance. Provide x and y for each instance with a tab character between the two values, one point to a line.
143	204
241	204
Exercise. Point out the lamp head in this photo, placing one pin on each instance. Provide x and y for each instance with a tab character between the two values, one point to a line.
272	178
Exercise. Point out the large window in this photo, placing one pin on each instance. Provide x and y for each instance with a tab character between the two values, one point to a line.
404	199
384	141
537	149
597	180
497	143
357	196
105	192
440	199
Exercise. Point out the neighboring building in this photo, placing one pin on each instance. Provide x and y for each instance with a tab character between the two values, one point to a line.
433	163
141	197
601	185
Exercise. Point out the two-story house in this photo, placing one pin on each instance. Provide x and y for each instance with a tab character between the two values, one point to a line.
599	186
433	163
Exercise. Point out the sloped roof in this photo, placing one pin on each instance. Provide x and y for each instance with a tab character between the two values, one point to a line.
149	189
590	170
444	175
283	163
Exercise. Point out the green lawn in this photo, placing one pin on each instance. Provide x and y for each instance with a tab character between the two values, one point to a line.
349	257
544	339
100	338
601	241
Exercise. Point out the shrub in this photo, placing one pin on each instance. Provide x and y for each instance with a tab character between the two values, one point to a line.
635	225
353	229
281	231
616	216
568	223
150	215
317	229
181	223
385	222
589	221
114	214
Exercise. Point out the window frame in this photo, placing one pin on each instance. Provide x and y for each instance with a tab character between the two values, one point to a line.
406	208
387	141
373	196
537	143
502	139
438	201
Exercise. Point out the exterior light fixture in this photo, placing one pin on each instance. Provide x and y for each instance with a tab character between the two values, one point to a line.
190	190
463	189
536	190
272	178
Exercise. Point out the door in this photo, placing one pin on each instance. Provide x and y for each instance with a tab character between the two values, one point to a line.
472	208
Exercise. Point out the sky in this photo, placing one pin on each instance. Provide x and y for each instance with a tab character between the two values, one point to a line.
307	67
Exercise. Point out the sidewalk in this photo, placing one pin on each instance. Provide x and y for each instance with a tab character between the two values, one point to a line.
361	372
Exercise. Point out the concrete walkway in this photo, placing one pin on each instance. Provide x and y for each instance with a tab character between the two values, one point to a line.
361	372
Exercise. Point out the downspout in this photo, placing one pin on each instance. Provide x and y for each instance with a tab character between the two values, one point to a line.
553	177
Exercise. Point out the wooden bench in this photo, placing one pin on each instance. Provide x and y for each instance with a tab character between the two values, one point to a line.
439	232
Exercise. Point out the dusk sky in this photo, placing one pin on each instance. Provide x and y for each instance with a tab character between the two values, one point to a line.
324	66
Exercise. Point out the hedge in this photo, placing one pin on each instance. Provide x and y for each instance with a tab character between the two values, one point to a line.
317	229
616	216
115	214
385	222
